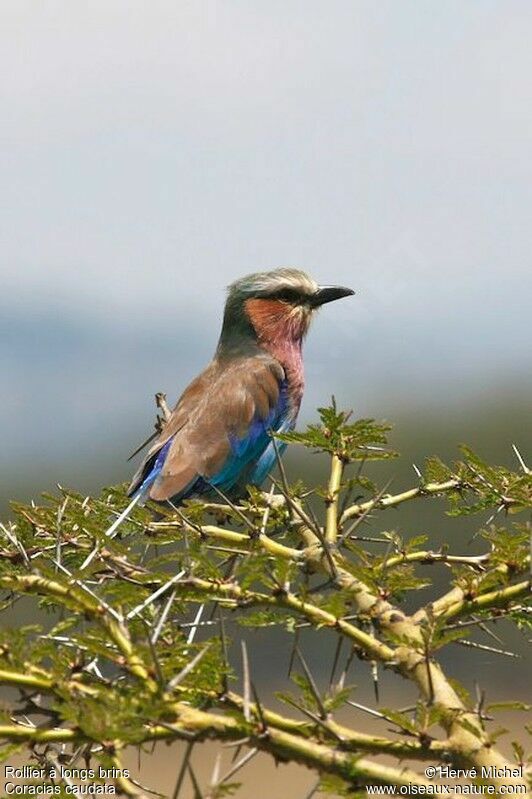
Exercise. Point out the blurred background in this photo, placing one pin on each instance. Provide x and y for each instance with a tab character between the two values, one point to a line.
154	152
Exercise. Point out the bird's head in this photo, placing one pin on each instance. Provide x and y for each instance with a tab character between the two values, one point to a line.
275	307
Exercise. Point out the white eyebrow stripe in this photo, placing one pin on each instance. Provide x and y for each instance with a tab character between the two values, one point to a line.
274	281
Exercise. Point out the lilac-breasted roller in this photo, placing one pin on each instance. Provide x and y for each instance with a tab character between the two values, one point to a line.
219	433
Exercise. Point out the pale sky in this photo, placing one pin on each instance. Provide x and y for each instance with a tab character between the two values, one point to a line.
152	152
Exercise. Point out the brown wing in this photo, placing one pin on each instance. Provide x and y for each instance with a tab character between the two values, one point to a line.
221	403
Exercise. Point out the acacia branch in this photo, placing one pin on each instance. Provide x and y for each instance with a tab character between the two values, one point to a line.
457	594
230	537
408	645
283	745
333	492
464	745
35	584
492	599
351	740
428	557
20	732
284	599
391	501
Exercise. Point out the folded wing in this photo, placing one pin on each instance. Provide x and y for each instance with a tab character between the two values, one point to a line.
218	433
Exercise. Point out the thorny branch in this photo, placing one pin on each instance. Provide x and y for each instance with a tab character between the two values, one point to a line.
124	658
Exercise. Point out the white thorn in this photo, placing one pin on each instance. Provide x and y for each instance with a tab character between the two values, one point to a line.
522	464
153	597
112	530
194	628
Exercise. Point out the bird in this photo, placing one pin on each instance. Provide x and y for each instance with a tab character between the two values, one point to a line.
218	438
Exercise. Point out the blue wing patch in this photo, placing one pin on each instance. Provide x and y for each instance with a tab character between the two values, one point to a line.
155	469
251	458
253	455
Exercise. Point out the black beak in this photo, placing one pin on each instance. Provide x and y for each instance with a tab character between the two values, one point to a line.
328	294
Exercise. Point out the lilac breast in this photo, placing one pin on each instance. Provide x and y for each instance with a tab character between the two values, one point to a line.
289	355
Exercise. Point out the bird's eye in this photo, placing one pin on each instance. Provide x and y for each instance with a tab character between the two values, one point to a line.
288	295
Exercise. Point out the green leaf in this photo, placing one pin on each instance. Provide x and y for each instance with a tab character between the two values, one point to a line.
361	440
510	705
